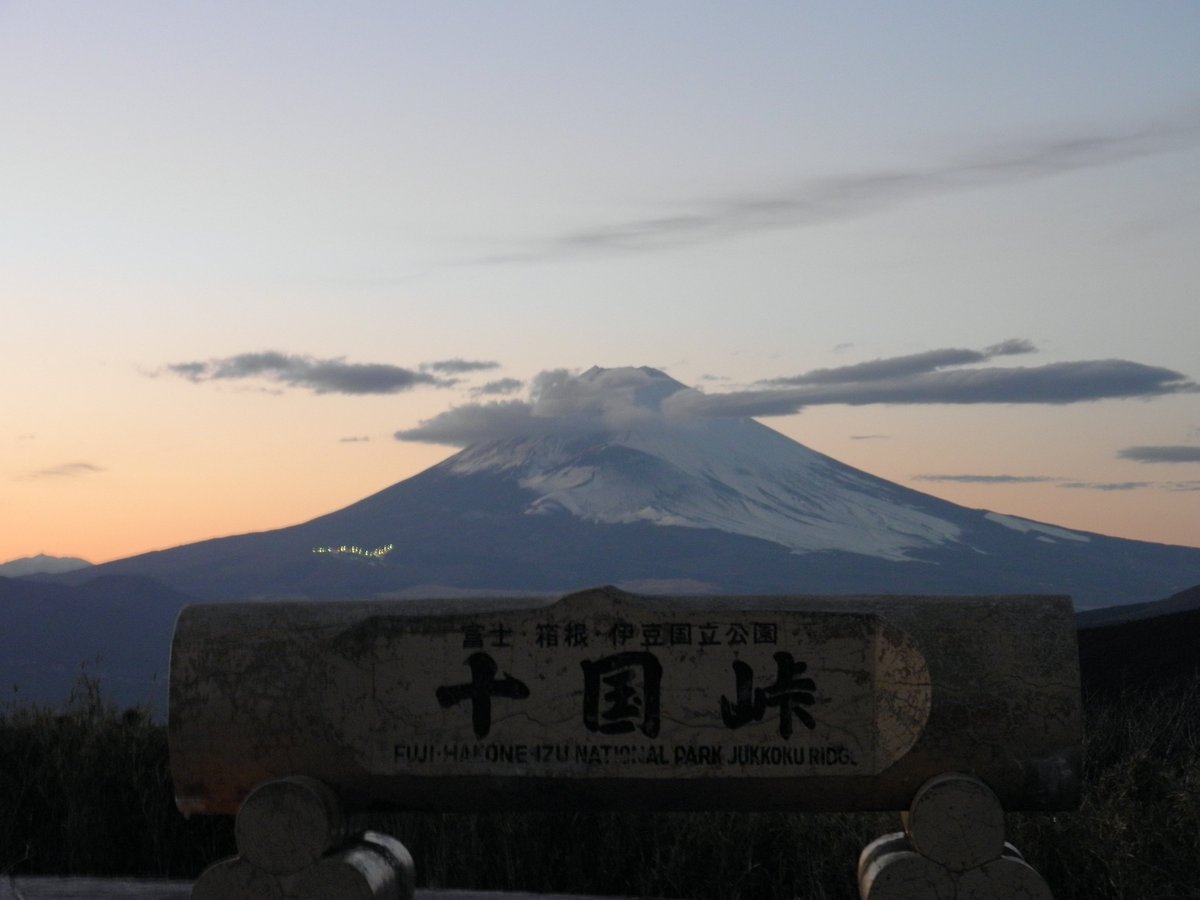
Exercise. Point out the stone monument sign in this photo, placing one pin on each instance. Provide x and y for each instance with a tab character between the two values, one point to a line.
603	699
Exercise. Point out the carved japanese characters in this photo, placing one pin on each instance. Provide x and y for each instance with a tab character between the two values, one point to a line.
614	700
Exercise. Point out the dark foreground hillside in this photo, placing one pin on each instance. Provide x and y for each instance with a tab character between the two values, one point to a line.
88	792
1155	650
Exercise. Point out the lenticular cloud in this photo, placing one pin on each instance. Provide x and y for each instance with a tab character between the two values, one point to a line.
640	398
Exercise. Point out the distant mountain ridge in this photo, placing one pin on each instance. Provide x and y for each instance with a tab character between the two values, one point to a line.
115	629
1181	602
1148	643
644	499
41	565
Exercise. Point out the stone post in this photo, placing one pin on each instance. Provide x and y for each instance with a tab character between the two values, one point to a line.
952	848
296	841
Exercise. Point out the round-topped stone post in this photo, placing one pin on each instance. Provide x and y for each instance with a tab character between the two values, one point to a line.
287	824
956	821
374	866
236	879
953	834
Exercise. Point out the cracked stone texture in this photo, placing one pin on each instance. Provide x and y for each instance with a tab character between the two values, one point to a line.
1006	878
236	879
288	824
905	875
885	871
903	689
882	845
377	868
957	821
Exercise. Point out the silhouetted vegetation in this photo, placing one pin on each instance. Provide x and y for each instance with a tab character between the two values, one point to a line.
87	791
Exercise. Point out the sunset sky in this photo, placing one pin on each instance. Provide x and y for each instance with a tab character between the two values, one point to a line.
260	260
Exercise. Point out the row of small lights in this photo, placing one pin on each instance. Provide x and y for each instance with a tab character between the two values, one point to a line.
349	550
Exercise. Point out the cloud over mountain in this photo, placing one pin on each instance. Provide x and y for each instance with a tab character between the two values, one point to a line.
619	398
1053	383
558	402
463	425
498	387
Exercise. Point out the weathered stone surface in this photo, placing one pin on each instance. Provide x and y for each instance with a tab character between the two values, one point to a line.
398	857
905	875
608	700
1006	878
361	871
289	823
957	821
236	879
961	827
894	842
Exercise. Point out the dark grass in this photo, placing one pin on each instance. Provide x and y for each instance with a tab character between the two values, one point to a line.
87	791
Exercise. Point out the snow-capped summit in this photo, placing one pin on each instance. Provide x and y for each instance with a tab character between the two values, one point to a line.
627	460
612	477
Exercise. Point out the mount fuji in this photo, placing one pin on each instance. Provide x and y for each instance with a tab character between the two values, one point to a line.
602	481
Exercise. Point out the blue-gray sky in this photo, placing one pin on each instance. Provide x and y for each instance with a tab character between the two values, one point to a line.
245	245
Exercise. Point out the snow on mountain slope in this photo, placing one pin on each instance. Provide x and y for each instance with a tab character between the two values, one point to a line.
732	475
601	479
1044	532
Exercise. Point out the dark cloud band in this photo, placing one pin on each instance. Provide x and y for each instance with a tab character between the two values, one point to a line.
321	376
1182	485
609	398
67	470
473	422
904	366
987	479
847	196
460	366
1168	454
1104	486
1055	383
1109	485
502	386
